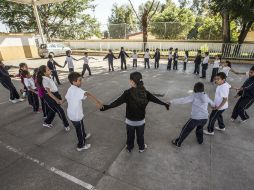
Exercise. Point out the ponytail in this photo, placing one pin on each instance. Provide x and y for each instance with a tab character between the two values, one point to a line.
138	93
40	74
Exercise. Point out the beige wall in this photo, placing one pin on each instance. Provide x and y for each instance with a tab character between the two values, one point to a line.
17	46
250	37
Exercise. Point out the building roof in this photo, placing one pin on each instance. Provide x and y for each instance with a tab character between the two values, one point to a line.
37	2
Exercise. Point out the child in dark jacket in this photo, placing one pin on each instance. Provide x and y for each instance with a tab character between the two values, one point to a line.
246	93
157	57
136	99
110	56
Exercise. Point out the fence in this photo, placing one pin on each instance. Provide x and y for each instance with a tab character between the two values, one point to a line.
235	51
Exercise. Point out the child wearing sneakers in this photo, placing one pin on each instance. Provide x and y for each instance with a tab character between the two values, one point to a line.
31	93
74	96
221	104
135	58
216	66
199	113
52	98
246	94
69	60
136	99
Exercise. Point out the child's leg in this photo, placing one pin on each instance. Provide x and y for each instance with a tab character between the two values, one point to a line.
184	66
136	62
236	109
125	67
6	86
220	119
43	106
112	66
130	137
212	120
133	63
109	65
187	128
61	114
36	102
51	111
145	62
89	70
244	104
199	130
148	63
84	70
13	92
121	64
176	65
31	96
83	131
140	136
79	132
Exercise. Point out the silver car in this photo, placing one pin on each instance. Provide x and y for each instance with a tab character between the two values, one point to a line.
56	49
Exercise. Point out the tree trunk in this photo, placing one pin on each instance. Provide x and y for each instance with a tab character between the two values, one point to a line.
225	34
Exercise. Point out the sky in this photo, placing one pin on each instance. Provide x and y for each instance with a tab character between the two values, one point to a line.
103	9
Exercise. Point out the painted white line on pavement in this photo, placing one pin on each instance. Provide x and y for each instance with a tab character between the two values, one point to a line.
49	168
4	102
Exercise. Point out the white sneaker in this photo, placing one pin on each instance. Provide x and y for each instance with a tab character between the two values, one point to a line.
47	125
88	135
207	132
20	100
67	128
14	101
87	146
143	149
243	121
219	129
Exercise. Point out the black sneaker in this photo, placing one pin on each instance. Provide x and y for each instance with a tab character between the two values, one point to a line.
175	143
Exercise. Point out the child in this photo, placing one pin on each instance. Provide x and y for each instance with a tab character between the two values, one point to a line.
175	59
157	57
5	80
136	99
216	66
135	58
199	113
146	58
221	104
110	56
41	92
205	65
31	93
197	62
122	54
52	66
170	58
23	67
69	61
86	64
74	97
52	98
185	61
246	93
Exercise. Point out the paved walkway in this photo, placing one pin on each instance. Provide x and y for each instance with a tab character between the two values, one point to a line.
33	157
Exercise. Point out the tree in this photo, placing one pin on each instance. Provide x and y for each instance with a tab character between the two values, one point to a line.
173	22
147	12
199	6
121	21
58	20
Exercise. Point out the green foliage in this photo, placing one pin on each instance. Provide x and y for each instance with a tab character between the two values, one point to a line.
122	21
60	20
180	22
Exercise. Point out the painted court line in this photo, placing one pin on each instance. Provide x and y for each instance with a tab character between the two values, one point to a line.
49	168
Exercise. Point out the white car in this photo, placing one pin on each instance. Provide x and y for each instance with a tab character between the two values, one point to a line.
56	49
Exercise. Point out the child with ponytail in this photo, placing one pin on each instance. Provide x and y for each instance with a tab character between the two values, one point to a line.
52	98
136	99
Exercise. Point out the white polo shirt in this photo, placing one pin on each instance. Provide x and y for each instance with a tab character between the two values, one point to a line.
74	97
206	60
222	91
29	82
216	64
226	70
170	55
147	55
134	56
86	60
69	61
49	83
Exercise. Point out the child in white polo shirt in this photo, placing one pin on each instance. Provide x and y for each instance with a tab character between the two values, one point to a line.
69	60
31	93
221	104
135	58
74	97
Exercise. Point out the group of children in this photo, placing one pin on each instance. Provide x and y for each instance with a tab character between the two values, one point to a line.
41	86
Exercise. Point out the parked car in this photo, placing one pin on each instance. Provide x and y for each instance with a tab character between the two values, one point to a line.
56	49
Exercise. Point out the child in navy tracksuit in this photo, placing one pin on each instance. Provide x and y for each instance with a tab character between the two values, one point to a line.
110	56
136	99
246	93
123	55
5	80
199	113
157	57
52	66
197	62
175	60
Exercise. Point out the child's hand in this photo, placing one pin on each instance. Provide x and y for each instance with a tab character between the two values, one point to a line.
167	106
214	108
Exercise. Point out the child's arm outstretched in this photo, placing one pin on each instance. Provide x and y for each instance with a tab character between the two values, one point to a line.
155	100
58	101
184	100
94	99
119	101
